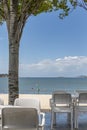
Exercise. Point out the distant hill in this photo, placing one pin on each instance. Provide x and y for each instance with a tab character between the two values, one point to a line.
82	76
3	75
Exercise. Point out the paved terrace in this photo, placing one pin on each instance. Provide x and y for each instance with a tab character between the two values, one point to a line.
62	120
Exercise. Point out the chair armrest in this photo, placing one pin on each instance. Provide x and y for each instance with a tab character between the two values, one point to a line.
41	119
52	103
77	102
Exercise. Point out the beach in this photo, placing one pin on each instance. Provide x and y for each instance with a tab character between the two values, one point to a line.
44	99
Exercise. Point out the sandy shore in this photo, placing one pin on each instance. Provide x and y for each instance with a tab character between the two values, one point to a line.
44	99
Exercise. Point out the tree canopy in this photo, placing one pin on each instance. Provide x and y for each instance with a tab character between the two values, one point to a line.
26	8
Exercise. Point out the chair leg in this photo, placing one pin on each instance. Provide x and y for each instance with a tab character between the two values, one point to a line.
76	119
54	121
71	120
42	128
52	117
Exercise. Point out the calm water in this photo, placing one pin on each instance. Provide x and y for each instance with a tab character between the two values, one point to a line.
45	85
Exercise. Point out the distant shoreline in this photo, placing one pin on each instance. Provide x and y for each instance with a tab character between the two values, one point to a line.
81	76
3	75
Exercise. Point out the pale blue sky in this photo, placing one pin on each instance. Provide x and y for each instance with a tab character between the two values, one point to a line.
50	46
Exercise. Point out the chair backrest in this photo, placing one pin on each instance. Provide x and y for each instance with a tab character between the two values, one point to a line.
81	91
19	118
82	96
28	102
1	101
61	97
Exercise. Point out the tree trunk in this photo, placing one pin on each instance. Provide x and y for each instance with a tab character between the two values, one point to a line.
15	14
12	25
13	71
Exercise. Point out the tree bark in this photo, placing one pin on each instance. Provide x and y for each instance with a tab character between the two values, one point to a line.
13	52
13	72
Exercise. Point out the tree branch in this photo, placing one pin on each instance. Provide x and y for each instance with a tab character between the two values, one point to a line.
2	14
82	3
6	9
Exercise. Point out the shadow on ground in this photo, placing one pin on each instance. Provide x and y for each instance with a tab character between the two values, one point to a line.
64	124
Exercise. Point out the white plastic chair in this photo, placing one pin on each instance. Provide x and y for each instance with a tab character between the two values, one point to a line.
32	103
1	104
1	101
19	118
61	102
81	105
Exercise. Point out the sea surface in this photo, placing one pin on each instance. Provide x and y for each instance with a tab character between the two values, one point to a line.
45	85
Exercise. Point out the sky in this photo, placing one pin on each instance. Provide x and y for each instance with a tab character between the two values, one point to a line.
50	47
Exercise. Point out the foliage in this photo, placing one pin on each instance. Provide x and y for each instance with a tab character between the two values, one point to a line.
34	7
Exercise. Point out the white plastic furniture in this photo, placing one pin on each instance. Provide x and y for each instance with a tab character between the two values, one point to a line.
19	118
81	105
32	103
1	101
1	104
61	102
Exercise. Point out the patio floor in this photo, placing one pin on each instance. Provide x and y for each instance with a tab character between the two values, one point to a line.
64	124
